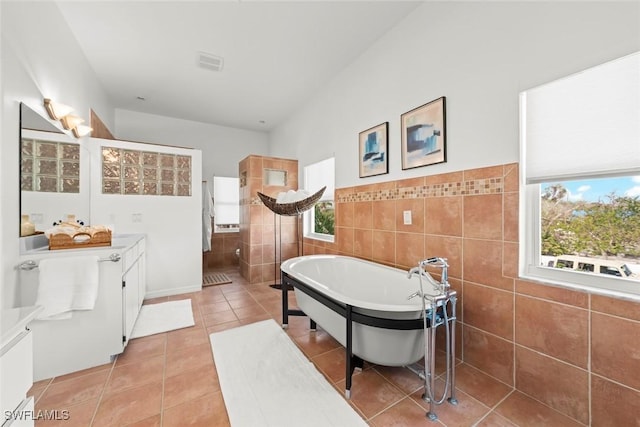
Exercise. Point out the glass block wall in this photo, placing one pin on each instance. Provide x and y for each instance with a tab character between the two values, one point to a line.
49	166
145	173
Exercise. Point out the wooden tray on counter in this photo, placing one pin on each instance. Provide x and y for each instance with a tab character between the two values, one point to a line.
79	240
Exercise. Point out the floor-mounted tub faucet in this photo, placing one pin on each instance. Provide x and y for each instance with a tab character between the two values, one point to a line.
444	265
441	311
444	285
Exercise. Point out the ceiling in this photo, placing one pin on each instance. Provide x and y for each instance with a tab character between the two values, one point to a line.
276	55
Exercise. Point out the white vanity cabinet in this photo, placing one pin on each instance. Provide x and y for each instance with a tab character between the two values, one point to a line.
16	366
90	337
133	286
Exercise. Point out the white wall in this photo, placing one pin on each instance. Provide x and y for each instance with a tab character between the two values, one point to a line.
479	55
2	159
173	224
222	147
39	59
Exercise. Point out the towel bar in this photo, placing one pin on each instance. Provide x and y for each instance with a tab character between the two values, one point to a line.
31	264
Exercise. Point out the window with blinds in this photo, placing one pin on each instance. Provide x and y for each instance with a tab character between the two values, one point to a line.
226	204
580	177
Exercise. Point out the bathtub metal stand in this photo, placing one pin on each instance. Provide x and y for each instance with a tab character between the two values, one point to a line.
351	316
286	312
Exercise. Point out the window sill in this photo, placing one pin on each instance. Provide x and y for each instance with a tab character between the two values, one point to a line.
585	282
226	230
321	237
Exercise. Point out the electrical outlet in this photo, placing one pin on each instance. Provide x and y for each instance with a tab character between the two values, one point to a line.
36	218
136	217
407	217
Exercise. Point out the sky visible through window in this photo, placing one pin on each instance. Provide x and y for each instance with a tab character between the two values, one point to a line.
593	190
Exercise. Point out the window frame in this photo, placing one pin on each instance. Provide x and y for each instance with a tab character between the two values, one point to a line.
216	228
310	222
309	215
530	267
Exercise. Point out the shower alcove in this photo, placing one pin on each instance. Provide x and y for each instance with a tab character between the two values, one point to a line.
264	239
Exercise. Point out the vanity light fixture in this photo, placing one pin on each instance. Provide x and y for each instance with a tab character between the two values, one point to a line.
70	121
55	110
81	130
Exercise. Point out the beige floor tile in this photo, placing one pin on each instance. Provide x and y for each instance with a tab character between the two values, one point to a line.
79	415
372	393
142	348
195	357
135	374
189	385
187	337
207	411
74	391
129	406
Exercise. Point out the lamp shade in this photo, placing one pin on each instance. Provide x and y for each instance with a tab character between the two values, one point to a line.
81	130
70	121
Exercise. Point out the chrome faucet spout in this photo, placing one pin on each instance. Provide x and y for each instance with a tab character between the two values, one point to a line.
414	270
444	285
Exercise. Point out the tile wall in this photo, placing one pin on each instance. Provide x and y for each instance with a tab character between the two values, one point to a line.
223	251
262	233
576	352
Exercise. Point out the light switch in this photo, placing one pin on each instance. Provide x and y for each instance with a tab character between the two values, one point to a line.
136	217
407	217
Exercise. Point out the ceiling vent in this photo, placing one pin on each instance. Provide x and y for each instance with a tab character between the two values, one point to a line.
210	61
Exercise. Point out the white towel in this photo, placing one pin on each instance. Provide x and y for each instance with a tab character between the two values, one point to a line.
66	284
207	215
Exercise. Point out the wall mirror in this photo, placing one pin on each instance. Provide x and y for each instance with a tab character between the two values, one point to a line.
54	174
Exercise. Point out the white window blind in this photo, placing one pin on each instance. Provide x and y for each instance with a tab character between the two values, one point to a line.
226	200
318	175
587	124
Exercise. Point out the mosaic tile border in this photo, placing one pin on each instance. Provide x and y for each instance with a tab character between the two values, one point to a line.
466	188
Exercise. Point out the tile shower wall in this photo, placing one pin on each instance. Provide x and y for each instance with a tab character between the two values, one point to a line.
574	351
223	251
262	233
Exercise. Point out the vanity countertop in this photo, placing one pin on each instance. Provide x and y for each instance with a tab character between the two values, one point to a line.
39	245
16	319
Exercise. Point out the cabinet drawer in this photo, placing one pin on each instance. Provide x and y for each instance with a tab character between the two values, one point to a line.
16	365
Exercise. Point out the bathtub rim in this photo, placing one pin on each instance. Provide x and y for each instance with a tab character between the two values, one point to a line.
414	305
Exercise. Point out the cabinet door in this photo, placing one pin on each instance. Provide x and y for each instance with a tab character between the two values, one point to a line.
16	363
142	286
131	284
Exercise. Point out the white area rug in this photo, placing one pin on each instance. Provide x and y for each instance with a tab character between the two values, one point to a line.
267	381
163	317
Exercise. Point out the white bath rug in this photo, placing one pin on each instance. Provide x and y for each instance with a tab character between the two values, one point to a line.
163	317
267	381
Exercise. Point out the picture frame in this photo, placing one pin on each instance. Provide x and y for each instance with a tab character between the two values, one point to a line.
374	150
424	136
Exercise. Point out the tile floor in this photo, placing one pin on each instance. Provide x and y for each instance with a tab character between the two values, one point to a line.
170	379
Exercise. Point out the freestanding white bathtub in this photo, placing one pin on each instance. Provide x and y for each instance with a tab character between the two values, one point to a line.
387	325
